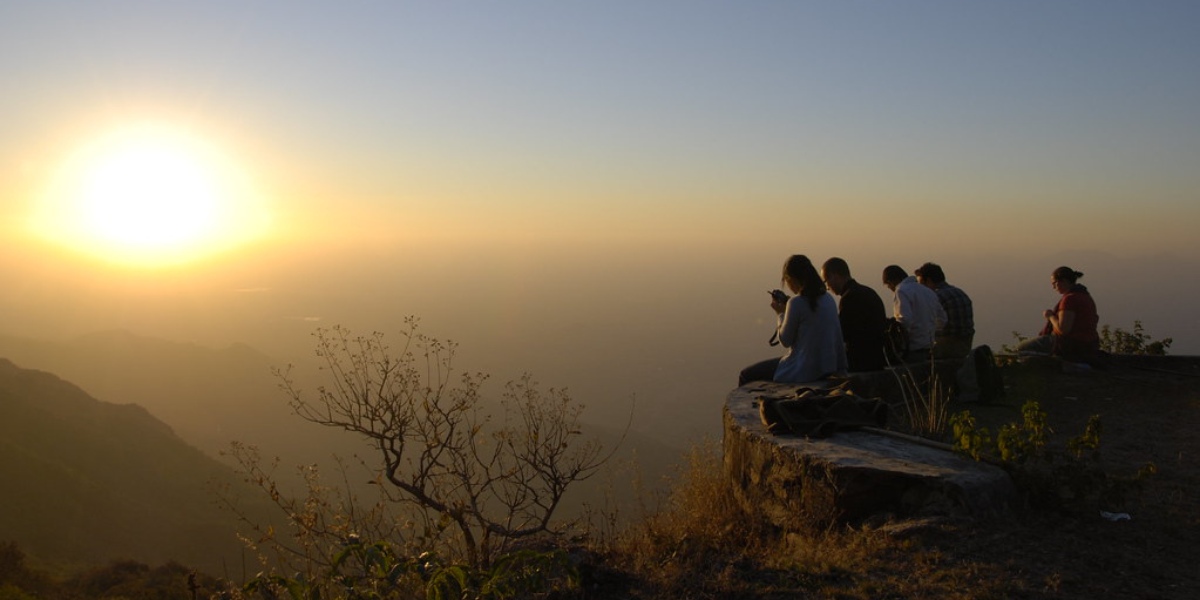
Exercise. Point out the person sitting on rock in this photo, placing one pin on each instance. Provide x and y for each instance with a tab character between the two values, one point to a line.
1070	329
861	314
807	327
956	338
917	309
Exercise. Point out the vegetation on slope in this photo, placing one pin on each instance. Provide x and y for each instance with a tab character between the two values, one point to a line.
86	480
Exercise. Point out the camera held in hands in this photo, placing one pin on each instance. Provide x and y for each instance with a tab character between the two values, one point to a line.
779	296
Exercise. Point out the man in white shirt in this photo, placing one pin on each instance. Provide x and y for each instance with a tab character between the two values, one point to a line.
917	308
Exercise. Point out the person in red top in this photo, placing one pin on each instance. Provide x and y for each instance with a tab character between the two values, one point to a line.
1070	329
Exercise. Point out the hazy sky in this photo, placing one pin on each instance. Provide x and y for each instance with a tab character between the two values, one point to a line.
576	178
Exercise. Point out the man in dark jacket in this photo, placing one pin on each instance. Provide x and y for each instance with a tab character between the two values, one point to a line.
862	315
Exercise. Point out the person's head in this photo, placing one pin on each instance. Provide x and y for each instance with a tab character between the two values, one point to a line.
893	275
930	275
800	276
836	274
1064	278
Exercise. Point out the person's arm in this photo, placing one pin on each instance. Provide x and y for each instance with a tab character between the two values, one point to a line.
1061	319
902	307
1063	322
789	320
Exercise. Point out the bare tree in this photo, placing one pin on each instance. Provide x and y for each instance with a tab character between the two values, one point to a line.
491	480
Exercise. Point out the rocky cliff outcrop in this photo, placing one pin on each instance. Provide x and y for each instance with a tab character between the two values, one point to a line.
798	481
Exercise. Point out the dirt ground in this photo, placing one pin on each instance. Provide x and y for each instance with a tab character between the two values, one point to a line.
1150	413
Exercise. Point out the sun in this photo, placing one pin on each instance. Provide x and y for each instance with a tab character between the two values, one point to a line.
150	195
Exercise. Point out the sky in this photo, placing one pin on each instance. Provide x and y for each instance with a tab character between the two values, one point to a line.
601	192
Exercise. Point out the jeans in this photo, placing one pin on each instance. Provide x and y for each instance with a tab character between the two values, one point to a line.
1043	344
759	371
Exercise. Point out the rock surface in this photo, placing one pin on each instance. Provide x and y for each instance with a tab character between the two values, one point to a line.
799	482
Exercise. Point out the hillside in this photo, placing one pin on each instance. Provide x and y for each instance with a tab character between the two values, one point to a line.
210	397
86	481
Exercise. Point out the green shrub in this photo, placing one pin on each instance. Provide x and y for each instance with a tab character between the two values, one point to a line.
1119	341
1069	479
9	591
377	572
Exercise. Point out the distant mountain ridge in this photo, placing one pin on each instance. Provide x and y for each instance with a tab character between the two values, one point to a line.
85	481
210	397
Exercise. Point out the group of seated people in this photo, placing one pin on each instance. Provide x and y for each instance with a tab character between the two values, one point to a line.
822	337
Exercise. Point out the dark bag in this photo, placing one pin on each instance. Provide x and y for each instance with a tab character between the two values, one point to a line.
987	374
819	413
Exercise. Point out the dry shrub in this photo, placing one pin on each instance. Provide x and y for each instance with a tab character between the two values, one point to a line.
698	528
701	543
701	503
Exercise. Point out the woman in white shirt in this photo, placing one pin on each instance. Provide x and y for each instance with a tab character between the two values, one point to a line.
808	328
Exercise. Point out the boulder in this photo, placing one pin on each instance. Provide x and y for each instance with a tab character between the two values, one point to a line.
797	481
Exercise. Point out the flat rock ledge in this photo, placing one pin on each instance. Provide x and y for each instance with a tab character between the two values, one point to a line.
798	482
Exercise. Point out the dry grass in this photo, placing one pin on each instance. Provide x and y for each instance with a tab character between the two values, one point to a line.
927	410
702	544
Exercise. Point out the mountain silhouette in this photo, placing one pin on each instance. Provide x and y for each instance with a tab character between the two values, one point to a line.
84	481
210	397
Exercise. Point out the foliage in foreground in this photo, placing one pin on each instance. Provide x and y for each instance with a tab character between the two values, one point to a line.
1071	478
1119	341
377	571
123	579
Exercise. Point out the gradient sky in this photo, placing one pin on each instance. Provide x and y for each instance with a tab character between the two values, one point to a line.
596	151
520	119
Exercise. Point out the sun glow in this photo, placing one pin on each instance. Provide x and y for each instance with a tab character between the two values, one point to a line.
150	196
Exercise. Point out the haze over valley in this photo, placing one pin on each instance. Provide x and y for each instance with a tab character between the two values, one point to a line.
598	195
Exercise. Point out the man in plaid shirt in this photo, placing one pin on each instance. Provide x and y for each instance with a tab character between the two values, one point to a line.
956	338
